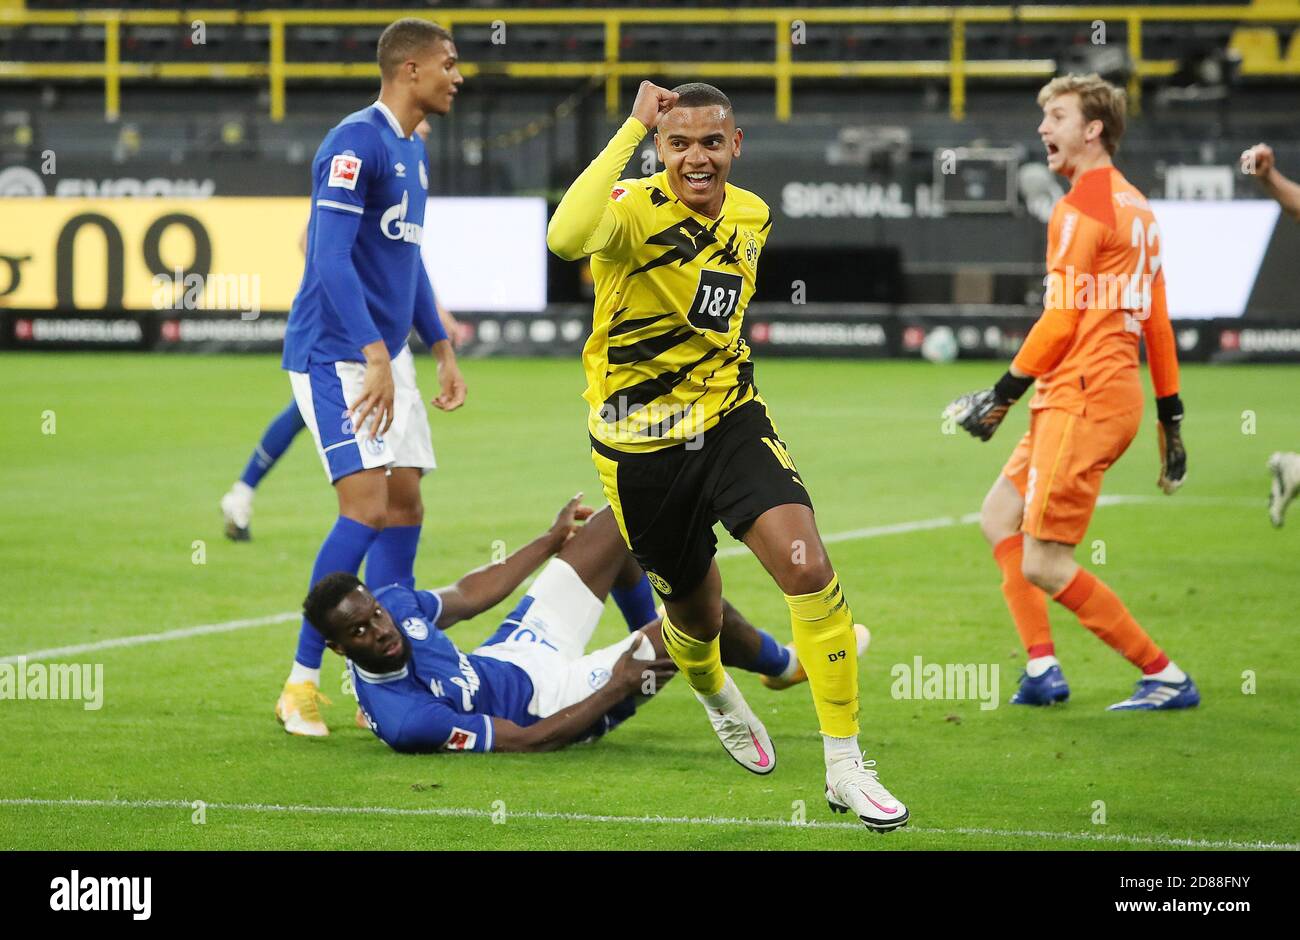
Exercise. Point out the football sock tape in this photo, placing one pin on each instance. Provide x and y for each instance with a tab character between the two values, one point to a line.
699	660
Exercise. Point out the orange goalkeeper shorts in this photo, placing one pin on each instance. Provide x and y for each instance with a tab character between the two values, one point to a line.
1058	466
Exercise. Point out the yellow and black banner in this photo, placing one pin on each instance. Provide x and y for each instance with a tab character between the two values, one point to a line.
151	254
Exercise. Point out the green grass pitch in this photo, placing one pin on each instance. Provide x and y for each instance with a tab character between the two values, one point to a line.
101	520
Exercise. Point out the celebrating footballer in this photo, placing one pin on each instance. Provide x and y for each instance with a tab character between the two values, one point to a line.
680	435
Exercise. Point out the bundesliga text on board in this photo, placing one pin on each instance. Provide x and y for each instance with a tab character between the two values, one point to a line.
818	333
1257	340
82	330
235	331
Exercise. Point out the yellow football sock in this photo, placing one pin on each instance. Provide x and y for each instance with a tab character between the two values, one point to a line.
699	660
828	651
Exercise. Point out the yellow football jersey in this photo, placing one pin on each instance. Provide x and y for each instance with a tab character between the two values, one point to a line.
665	359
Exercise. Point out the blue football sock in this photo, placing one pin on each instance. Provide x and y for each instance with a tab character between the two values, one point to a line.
392	557
342	550
637	603
275	441
772	658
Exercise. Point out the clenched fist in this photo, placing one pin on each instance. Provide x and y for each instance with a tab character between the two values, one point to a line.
1257	161
652	103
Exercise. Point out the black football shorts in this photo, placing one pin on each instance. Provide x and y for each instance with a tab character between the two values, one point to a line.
667	501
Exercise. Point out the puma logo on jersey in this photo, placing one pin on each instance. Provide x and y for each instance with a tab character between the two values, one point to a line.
684	240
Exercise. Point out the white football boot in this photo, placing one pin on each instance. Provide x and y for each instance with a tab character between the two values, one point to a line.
237	510
739	729
1286	483
851	785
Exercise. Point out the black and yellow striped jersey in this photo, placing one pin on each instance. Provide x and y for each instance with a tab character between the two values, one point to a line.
665	358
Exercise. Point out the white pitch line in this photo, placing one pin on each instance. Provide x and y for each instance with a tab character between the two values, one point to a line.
143	638
945	522
733	551
897	528
921	525
471	813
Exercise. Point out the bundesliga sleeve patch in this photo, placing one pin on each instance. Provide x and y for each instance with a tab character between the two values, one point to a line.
344	170
617	193
461	740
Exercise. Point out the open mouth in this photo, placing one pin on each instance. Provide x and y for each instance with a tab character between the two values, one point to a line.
1052	150
698	181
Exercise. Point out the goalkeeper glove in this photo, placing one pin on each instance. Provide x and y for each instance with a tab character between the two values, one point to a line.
981	412
1173	456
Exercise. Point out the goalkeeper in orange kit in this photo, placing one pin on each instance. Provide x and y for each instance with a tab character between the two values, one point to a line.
1105	291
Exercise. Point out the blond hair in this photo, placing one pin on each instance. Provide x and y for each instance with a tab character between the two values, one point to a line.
1098	99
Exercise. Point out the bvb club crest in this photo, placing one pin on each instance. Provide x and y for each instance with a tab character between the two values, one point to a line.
659	583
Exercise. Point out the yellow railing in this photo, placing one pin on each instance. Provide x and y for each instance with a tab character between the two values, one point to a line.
783	70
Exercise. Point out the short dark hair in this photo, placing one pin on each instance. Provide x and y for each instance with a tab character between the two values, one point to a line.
324	596
701	95
405	37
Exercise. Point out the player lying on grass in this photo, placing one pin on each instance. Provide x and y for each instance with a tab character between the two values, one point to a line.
531	686
1083	353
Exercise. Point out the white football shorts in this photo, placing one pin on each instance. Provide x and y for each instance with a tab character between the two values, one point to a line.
546	636
324	395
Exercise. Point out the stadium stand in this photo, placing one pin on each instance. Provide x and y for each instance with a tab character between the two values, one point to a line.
863	97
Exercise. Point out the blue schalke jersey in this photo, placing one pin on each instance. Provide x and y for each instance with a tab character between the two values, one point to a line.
442	699
369	187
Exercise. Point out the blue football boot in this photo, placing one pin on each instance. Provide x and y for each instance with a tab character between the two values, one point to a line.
1047	689
1153	695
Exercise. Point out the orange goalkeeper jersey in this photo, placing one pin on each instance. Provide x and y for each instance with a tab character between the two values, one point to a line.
1104	290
